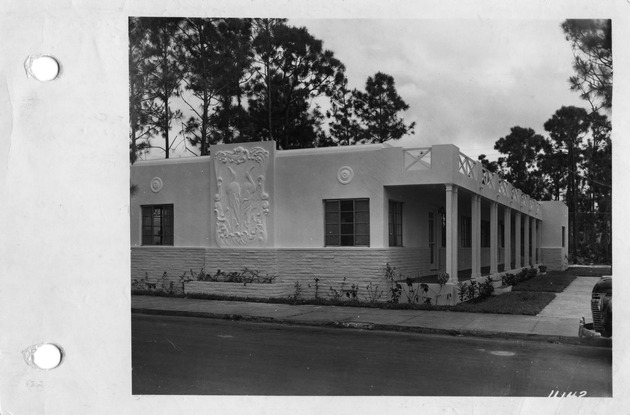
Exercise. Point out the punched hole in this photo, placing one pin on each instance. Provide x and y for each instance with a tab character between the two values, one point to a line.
47	356
44	68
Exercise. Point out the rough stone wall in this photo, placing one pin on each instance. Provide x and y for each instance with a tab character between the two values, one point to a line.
359	267
411	262
154	261
330	267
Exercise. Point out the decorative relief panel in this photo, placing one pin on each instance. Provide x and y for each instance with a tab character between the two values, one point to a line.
241	203
156	184
417	159
345	175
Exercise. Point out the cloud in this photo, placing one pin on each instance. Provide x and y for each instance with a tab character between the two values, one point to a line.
467	81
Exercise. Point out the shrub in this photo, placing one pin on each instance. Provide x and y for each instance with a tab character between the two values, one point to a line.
412	292
373	293
531	272
509	279
461	290
395	288
396	292
337	294
522	275
486	288
352	293
245	276
472	291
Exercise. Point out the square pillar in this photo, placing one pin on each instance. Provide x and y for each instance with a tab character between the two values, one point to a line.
451	232
527	261
517	240
494	243
507	237
475	225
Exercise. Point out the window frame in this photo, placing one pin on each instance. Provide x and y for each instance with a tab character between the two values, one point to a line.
395	223
337	209
165	228
466	232
485	231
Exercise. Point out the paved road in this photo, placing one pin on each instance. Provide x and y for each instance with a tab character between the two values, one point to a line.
194	356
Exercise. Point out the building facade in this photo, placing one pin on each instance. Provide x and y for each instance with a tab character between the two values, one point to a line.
335	213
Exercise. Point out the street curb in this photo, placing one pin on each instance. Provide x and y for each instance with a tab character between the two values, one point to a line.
584	341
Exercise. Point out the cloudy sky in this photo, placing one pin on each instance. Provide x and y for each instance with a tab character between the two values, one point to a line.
467	82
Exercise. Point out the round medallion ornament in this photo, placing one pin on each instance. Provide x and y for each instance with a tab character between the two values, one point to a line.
345	175
156	184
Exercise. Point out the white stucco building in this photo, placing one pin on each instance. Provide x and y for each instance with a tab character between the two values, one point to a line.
337	212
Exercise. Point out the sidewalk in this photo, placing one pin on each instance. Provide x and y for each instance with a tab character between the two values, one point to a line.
558	322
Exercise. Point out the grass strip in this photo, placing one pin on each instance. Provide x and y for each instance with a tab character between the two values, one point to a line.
553	282
529	303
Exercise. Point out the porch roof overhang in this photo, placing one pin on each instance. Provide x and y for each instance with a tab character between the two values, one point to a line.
446	164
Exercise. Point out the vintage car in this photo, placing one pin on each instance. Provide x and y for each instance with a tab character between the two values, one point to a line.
601	309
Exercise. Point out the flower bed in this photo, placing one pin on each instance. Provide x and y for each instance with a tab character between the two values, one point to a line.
238	289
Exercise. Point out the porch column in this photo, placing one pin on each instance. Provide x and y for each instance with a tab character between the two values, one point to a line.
475	225
494	246
451	232
527	261
534	242
517	240
507	237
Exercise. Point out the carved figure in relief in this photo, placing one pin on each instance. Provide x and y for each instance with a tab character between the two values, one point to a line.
241	206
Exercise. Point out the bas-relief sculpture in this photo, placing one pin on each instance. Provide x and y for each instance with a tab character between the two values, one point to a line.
241	203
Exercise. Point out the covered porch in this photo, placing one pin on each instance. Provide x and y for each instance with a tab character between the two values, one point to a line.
466	220
453	230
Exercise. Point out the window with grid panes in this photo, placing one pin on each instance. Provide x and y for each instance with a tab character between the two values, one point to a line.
157	225
347	222
485	234
395	223
466	237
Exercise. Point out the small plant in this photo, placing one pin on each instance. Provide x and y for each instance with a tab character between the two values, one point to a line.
373	293
509	279
297	293
531	272
137	284
164	283
442	278
202	276
233	277
522	275
486	288
411	292
472	290
396	292
390	272
425	298
338	294
461	290
143	284
183	280
316	288
352	293
542	268
394	287
245	276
